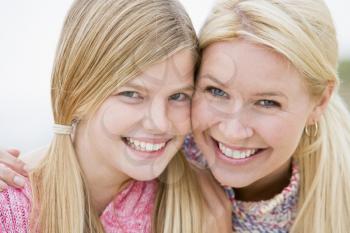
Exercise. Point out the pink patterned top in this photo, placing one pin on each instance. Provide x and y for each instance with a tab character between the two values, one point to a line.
130	211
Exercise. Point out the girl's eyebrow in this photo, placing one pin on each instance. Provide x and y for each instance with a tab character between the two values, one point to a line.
137	86
186	88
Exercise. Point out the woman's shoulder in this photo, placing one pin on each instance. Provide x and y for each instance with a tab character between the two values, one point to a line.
15	205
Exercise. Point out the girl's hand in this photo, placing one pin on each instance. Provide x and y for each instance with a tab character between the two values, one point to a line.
12	169
217	206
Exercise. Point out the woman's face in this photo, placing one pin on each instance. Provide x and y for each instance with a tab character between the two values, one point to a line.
249	111
139	129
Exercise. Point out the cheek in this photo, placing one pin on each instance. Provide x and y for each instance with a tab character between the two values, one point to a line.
180	119
281	134
202	117
113	121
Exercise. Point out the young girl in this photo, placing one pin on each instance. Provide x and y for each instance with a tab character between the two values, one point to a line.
268	118
121	88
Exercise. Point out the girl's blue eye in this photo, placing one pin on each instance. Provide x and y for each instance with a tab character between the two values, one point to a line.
268	104
179	97
130	94
216	92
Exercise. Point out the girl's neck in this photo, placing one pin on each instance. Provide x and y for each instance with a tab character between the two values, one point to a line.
104	182
267	187
103	188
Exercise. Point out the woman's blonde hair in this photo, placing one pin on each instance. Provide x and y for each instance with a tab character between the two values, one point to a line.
304	33
104	44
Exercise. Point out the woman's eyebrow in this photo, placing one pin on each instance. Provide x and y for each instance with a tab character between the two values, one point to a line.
214	79
271	94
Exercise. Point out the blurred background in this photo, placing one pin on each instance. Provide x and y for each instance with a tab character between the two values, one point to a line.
28	37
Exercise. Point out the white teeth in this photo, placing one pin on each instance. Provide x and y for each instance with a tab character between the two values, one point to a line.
236	154
144	146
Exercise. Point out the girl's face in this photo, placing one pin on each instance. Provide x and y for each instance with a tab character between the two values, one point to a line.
249	111
139	129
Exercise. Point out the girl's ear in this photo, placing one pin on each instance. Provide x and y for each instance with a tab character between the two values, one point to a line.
321	104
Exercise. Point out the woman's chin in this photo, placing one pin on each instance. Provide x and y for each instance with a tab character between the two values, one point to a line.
231	180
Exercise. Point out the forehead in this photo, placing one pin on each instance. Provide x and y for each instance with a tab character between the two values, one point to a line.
239	61
177	69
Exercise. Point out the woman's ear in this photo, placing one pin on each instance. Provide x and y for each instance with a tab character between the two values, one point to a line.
321	104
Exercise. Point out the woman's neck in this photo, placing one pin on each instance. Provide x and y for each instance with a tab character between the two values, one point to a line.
267	187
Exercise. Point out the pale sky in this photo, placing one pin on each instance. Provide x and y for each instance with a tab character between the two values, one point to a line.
29	34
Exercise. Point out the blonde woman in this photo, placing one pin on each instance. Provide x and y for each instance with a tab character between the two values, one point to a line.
268	117
121	88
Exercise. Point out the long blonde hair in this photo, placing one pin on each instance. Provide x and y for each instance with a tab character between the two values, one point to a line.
104	44
304	33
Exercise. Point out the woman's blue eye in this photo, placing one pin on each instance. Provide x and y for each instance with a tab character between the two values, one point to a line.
268	103
216	92
130	94
179	97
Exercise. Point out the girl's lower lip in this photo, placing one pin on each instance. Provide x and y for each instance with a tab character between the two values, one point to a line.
234	161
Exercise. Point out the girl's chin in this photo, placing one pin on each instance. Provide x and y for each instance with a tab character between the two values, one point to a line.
147	175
